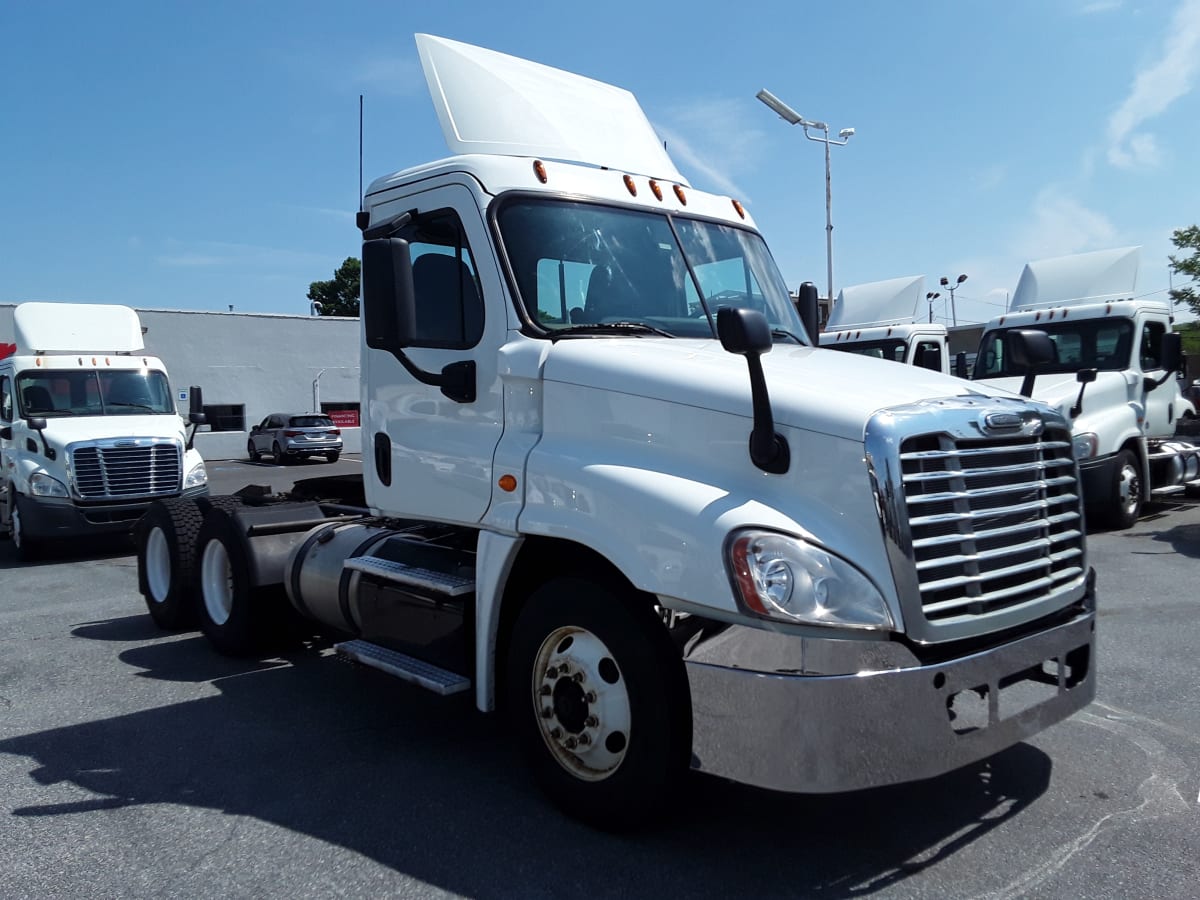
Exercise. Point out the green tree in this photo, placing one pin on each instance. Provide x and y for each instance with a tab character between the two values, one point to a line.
1188	266
339	296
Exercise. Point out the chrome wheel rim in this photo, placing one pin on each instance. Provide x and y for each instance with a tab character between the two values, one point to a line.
1129	490
581	703
216	582
158	565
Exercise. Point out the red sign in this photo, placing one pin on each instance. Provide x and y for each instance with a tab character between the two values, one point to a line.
344	418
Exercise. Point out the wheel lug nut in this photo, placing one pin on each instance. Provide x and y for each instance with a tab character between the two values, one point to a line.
590	697
591	721
547	712
572	743
552	672
584	740
556	733
545	690
578	676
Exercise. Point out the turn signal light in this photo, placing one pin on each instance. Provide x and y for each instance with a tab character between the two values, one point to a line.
507	483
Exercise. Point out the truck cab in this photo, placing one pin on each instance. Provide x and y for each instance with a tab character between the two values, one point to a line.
89	433
1112	376
613	489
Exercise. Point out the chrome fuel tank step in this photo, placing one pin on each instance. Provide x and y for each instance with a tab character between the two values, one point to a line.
433	678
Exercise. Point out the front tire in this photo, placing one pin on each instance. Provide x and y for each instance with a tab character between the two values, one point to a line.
1125	493
598	699
166	555
28	549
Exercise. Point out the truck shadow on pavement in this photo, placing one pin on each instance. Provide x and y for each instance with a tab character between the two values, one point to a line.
81	550
429	788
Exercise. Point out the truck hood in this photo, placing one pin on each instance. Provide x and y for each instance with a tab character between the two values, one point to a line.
69	429
817	390
1060	390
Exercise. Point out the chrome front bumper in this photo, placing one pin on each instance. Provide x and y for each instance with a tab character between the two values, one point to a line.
893	720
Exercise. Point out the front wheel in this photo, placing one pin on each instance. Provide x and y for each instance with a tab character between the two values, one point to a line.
598	699
28	549
1125	493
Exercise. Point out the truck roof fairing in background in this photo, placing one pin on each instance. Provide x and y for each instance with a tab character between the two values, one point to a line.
1080	278
90	328
890	302
492	103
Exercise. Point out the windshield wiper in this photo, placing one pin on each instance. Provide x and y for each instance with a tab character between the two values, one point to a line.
134	405
611	328
784	333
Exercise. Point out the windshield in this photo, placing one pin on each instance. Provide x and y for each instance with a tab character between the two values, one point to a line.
92	392
578	265
893	350
1103	344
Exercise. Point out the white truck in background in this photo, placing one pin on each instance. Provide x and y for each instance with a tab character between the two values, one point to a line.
879	319
89	433
1113	377
610	487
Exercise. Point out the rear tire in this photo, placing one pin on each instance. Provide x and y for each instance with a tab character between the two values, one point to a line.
616	740
254	455
229	617
333	456
280	458
166	552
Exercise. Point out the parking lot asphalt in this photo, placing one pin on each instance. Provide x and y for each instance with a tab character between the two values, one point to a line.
135	763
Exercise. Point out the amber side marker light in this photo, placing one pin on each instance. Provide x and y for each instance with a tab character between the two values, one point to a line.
655	189
507	483
539	169
680	195
630	185
737	205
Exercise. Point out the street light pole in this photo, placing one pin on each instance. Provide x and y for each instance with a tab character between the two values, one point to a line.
930	297
792	117
945	282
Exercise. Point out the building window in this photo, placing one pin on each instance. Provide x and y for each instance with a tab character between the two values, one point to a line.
344	415
227	417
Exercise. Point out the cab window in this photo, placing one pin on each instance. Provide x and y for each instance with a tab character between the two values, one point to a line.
1150	352
6	407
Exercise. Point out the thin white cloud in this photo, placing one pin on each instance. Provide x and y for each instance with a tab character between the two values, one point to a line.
1099	6
1062	225
212	254
1155	87
714	139
394	75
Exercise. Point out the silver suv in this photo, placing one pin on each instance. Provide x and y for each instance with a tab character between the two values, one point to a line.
288	436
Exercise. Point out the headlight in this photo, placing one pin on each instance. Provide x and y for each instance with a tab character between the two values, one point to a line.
42	485
196	477
788	578
1086	445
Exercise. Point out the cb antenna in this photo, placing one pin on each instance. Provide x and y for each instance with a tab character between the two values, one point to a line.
360	150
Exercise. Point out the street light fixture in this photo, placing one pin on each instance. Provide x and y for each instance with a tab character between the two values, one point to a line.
945	282
931	296
792	117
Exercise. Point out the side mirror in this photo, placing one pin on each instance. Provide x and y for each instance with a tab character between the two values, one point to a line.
960	364
746	333
36	423
931	358
195	402
6	433
1030	351
389	307
1086	376
1170	350
806	305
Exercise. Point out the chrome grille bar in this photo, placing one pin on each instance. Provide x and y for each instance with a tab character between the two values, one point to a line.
126	469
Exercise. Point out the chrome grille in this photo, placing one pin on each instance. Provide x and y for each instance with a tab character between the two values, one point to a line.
994	522
107	472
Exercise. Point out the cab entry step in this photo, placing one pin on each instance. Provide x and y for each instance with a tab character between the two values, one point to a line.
440	681
445	583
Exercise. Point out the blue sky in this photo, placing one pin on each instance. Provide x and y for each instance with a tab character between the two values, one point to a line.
199	155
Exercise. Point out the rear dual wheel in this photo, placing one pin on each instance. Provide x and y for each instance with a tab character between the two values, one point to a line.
166	545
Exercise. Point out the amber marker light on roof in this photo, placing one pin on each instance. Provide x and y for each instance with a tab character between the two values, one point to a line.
539	169
680	195
507	483
629	184
737	205
655	189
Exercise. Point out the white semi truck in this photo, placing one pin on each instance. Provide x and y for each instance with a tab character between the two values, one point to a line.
611	489
879	320
1113	376
89	433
